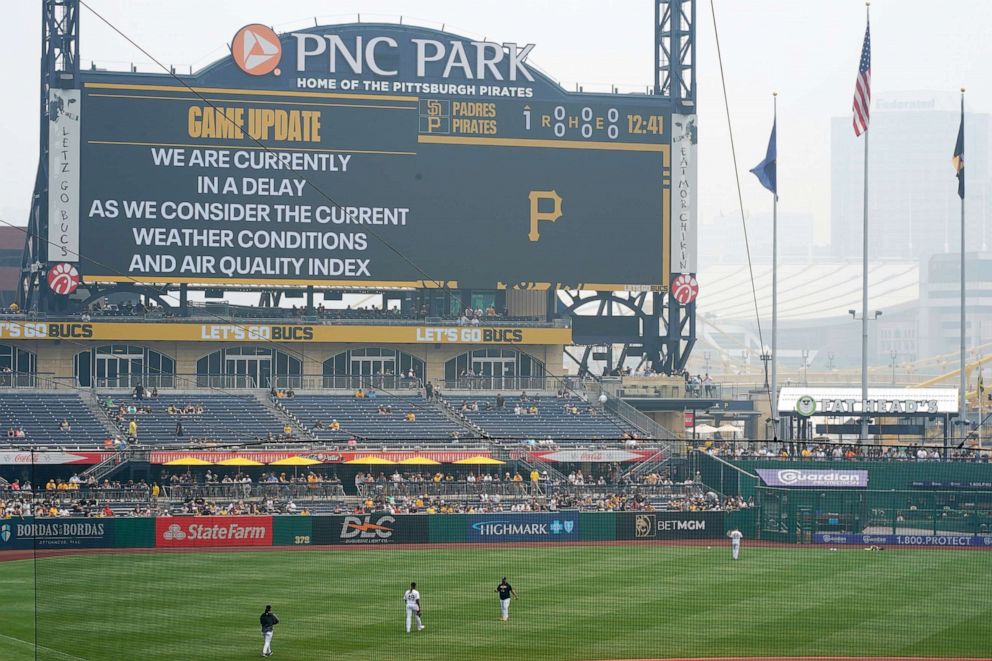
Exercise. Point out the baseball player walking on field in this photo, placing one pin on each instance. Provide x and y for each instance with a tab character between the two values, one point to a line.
735	542
412	600
268	620
505	593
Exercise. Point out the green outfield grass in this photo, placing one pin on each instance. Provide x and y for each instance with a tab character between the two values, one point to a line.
576	602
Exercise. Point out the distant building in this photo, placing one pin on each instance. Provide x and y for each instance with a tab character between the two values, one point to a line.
11	249
722	239
914	211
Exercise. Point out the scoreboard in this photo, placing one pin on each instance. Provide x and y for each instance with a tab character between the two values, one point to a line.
375	155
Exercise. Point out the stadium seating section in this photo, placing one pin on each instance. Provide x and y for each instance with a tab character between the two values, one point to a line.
360	418
39	415
224	418
552	420
238	418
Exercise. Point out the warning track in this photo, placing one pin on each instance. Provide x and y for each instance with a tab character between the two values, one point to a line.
716	544
809	658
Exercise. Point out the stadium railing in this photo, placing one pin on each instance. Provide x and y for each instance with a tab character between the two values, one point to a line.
296	491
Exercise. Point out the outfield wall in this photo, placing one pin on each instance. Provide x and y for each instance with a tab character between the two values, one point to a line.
366	529
882	475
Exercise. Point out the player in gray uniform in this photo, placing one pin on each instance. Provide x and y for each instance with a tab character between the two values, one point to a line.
268	620
412	600
735	542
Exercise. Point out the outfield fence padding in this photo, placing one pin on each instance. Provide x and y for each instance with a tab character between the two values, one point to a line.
185	532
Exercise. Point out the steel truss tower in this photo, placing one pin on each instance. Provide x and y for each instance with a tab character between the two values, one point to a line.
667	328
59	69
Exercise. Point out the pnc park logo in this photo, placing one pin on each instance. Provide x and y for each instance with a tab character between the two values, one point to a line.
256	50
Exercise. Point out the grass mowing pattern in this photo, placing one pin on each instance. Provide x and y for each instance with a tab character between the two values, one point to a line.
576	603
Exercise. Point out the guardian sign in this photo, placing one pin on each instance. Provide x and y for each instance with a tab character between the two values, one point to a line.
819	479
314	157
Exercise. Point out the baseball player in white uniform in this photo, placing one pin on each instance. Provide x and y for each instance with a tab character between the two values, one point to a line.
735	542
412	600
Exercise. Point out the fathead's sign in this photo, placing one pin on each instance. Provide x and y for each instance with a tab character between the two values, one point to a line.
213	531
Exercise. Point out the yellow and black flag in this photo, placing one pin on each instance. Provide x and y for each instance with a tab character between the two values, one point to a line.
958	159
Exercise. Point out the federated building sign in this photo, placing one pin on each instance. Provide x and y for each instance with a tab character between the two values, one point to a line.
842	402
313	156
192	332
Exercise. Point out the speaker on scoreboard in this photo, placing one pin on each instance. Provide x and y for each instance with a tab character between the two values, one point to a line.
213	293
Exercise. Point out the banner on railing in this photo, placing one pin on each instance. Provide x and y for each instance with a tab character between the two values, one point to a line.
593	456
13	458
267	457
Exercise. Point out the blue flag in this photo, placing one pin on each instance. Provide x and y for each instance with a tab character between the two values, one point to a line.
765	170
958	160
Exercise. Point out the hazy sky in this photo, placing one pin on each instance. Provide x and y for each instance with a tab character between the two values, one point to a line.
808	51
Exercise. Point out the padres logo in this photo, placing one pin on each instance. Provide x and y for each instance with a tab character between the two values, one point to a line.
256	50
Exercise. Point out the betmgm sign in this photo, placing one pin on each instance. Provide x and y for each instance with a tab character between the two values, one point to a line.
314	156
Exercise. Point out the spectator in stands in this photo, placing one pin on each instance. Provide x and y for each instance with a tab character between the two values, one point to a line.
410	416
64	425
179	428
359	394
132	430
335	425
708	385
500	401
517	410
154	393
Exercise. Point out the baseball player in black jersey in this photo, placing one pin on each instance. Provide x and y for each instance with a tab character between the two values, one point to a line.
268	620
506	592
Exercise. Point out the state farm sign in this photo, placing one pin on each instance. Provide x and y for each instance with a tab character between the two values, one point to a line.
213	531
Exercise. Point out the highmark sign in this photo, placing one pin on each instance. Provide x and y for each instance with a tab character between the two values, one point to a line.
178	332
812	400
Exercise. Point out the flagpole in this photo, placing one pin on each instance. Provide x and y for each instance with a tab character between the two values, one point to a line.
774	413
864	296
964	378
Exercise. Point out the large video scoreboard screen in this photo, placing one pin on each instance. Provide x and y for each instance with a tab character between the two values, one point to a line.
374	155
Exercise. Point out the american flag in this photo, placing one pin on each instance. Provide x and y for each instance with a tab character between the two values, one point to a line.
862	88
